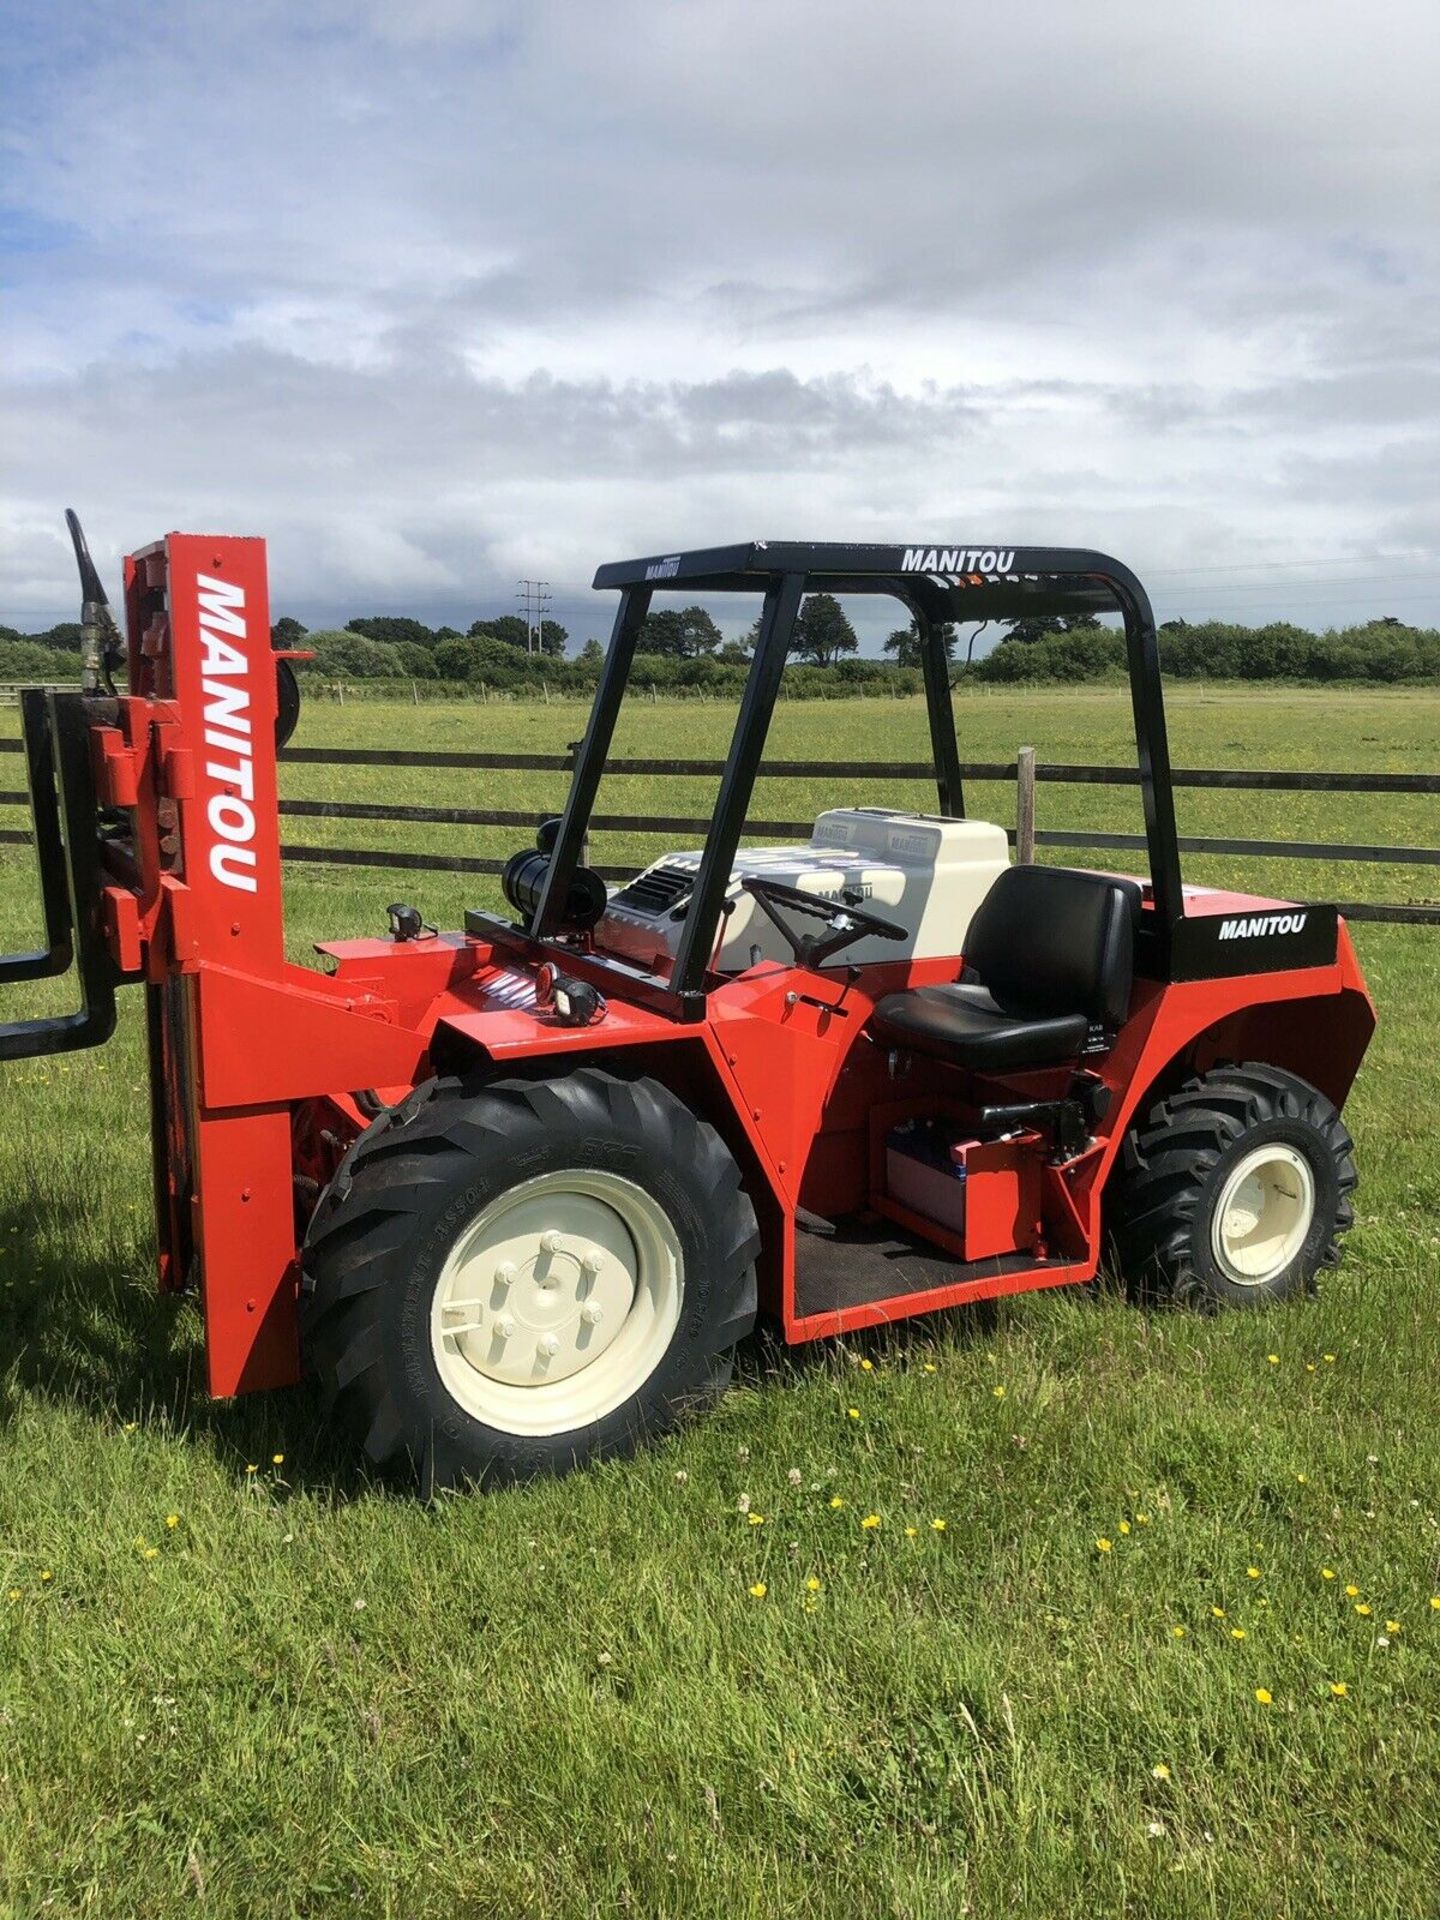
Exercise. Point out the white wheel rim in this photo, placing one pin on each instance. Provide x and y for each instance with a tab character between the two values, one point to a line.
557	1302
1264	1213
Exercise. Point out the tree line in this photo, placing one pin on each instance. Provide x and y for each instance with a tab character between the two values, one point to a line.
684	648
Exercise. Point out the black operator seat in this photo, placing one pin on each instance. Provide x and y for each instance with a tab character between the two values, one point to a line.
1054	952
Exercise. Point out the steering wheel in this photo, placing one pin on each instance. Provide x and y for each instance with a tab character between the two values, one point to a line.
846	923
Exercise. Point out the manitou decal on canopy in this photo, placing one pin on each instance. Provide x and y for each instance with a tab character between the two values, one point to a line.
958	560
1259	925
225	668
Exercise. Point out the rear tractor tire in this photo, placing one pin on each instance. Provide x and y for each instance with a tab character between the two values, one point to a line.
511	1281
1233	1191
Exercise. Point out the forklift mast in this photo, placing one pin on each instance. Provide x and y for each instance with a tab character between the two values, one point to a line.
157	836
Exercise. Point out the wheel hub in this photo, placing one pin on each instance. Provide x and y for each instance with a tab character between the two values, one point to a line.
1263	1214
557	1302
543	1293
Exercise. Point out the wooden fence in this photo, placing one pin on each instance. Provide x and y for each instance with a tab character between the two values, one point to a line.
1271	780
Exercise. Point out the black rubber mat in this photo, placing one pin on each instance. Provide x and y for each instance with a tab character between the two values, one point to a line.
866	1261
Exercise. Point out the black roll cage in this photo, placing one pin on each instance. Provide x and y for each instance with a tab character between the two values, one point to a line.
938	584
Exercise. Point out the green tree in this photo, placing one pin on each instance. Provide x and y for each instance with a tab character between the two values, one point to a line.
65	637
512	630
592	657
1048	627
682	633
389	629
287	632
417	661
23	657
904	643
822	633
342	654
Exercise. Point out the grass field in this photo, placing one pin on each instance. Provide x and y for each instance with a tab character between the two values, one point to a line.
1149	1625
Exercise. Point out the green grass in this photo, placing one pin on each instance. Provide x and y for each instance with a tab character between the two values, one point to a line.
312	1695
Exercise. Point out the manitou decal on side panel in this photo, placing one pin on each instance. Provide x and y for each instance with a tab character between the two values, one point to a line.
225	670
1256	925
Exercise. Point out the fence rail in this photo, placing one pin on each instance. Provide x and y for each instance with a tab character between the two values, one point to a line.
1255	780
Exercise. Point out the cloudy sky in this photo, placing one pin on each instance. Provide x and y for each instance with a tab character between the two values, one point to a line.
442	293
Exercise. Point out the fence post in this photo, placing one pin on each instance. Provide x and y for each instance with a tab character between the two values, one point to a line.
1025	806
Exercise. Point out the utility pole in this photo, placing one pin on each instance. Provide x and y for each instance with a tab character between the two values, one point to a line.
534	597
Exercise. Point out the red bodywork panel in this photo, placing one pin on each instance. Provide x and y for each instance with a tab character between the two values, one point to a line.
262	1070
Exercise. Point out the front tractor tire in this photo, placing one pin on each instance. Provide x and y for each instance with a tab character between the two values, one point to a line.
1233	1191
513	1280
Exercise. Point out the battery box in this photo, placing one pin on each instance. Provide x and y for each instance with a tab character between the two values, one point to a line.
985	1193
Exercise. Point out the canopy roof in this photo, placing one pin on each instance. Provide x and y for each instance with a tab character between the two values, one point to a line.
951	582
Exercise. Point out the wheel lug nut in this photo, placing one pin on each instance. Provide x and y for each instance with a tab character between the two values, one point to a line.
550	1241
505	1273
547	1346
504	1326
593	1262
592	1313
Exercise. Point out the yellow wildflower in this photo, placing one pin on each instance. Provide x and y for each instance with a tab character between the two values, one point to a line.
1264	1696
252	1468
1178	1633
854	1412
1363	1610
1273	1358
1124	1526
46	1576
1352	1592
837	1501
929	1367
1339	1689
870	1522
150	1552
937	1526
1392	1626
911	1532
1435	1601
812	1585
14	1593
1237	1633
759	1590
756	1519
1329	1359
1103	1546
172	1520
1160	1771
277	1459
1252	1573
998	1392
1142	1519
1218	1612
1327	1573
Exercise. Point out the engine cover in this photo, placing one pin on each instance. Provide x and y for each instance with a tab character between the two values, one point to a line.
921	870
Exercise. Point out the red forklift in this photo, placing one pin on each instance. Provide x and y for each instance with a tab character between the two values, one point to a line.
514	1193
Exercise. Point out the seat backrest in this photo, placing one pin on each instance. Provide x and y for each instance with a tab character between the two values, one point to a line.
1050	940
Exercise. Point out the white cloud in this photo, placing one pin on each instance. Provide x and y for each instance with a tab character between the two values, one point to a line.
433	295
